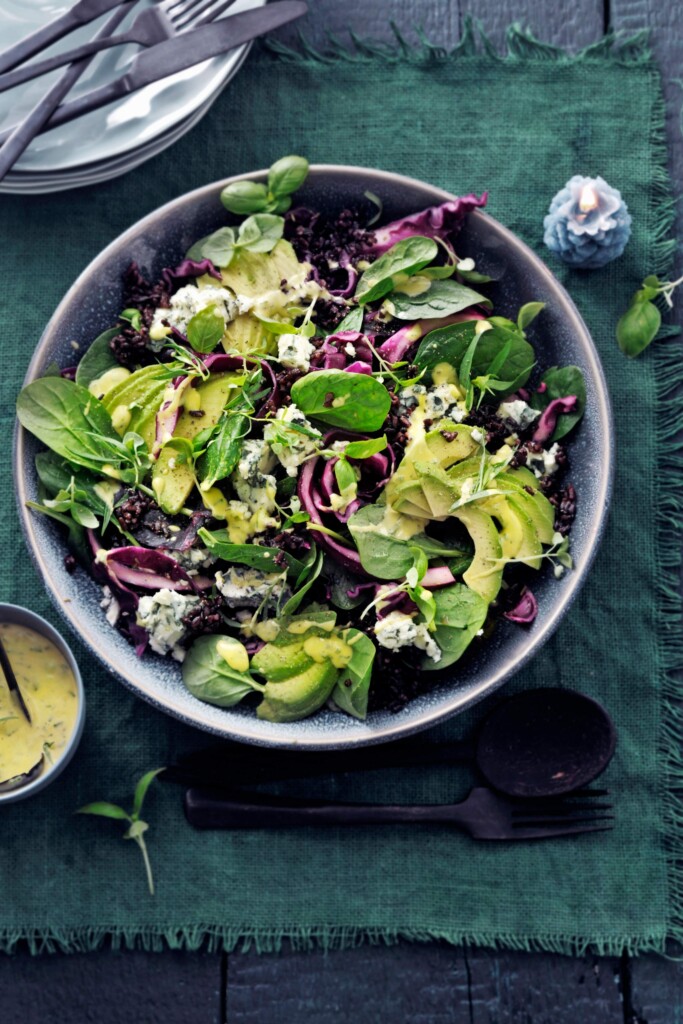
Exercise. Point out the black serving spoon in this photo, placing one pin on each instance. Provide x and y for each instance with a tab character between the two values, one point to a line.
12	681
541	742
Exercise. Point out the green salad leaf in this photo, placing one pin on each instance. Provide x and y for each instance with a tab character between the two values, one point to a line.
383	555
98	359
210	678
352	401
352	689
460	614
405	258
562	381
442	298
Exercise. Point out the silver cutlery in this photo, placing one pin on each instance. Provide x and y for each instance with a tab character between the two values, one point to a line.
178	54
153	25
80	14
183	14
484	814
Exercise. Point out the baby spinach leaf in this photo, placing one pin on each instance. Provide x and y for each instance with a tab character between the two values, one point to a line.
351	690
223	452
256	556
205	329
406	257
460	614
561	382
98	360
341	584
352	401
295	600
66	418
209	677
364	449
528	313
450	345
353	321
55	475
442	298
383	556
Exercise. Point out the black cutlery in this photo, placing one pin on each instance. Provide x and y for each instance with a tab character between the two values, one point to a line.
12	681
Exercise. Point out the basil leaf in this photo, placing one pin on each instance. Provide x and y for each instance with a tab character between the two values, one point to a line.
460	614
256	556
561	382
242	197
442	298
223	452
406	257
209	678
66	418
287	175
351	690
384	556
364	449
450	344
98	359
205	329
353	321
260	233
353	401
638	327
218	247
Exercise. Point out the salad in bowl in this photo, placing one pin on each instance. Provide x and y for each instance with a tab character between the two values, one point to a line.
311	462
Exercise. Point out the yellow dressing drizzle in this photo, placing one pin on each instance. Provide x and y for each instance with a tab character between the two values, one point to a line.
48	687
108	380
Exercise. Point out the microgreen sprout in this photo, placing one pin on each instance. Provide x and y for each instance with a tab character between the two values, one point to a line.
136	827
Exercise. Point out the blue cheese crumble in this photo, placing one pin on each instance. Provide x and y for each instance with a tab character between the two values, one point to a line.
192	559
187	302
161	614
291	446
398	630
544	463
254	484
518	412
294	351
243	587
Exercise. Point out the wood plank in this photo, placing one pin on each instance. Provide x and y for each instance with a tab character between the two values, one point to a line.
572	26
439	18
520	988
112	988
421	984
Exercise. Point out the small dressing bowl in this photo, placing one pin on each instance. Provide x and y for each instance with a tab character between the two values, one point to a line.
15	615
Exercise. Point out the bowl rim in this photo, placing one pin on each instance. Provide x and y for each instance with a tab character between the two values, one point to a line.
246	729
20	615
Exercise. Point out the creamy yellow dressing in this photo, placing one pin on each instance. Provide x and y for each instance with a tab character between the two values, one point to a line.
108	380
49	689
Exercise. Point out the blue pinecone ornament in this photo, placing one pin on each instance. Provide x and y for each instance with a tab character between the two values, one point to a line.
588	223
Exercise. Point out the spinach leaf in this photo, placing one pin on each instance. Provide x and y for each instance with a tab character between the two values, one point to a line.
450	345
352	401
209	677
98	359
205	329
562	381
351	690
441	299
256	556
386	557
340	583
406	257
68	419
460	614
223	452
295	600
55	475
76	540
353	321
365	449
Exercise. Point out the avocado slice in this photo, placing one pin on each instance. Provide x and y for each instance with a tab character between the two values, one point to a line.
434	449
139	388
518	538
173	480
409	499
437	489
299	695
536	505
279	663
484	575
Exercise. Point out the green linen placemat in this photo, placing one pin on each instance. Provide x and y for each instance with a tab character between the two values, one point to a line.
518	127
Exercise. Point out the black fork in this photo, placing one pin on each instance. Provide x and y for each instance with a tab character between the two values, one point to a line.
484	814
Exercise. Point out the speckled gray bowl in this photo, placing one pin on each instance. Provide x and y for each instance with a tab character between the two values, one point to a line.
161	239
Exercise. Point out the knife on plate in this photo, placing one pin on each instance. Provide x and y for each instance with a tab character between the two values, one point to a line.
179	54
80	14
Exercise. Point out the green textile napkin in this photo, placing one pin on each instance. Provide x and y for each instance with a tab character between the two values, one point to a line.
520	127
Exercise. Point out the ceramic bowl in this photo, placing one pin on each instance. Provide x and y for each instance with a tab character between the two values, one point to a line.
161	239
19	616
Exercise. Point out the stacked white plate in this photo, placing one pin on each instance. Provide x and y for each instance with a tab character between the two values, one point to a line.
120	136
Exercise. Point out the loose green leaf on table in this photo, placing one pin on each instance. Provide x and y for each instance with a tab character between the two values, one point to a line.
352	401
137	827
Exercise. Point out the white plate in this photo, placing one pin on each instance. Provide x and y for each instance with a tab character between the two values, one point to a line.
119	128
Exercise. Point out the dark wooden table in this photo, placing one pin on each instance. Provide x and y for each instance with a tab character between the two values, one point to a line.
431	984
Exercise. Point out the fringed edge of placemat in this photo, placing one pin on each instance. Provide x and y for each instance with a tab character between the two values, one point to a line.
521	45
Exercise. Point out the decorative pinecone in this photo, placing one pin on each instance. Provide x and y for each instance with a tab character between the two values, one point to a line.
588	223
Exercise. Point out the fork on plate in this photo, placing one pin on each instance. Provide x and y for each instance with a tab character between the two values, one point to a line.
153	25
483	814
